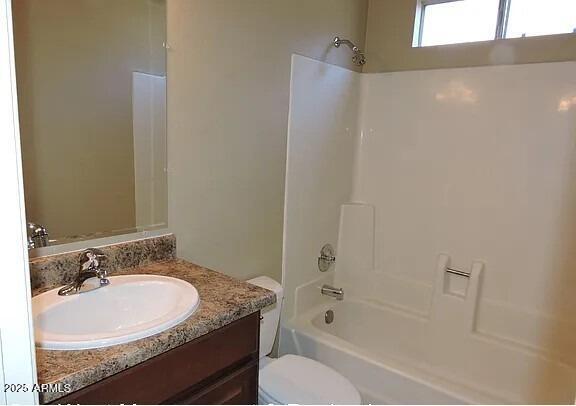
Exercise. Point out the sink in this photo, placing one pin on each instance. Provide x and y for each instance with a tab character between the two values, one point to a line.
131	307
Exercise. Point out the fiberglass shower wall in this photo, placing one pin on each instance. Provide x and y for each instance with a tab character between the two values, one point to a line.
321	143
466	166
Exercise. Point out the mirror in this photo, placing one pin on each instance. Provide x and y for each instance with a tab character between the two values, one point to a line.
91	80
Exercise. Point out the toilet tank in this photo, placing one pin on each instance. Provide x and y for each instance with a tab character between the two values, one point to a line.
270	314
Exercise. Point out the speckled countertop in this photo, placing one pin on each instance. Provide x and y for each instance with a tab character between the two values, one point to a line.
222	300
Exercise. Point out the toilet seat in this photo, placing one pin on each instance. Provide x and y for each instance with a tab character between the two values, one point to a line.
295	379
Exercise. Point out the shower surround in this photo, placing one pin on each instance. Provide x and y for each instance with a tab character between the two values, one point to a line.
451	199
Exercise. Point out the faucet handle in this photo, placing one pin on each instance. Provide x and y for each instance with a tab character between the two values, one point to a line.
91	259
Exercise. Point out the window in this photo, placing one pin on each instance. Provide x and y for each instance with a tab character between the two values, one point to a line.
443	22
458	21
528	18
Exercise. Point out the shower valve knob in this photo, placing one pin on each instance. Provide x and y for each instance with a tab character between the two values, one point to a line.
326	258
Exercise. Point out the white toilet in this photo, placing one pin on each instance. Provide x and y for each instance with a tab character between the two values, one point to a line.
292	379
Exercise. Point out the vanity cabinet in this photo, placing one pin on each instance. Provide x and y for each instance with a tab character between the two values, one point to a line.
220	367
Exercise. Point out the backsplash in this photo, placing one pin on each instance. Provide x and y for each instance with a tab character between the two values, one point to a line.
57	270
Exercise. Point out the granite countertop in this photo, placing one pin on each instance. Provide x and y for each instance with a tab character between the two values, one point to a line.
223	300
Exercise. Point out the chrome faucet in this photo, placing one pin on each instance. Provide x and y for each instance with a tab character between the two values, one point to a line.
37	235
331	291
90	262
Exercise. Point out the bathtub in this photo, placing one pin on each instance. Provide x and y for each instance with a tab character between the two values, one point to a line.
385	352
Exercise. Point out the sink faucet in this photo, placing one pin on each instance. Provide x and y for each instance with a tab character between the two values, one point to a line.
331	291
37	235
90	261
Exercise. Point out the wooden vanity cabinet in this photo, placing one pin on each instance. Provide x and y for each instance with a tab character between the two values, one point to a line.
218	368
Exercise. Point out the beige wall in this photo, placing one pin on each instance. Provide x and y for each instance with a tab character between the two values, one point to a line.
228	97
74	68
389	44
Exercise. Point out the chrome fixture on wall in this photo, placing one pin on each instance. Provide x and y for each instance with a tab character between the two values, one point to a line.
358	59
331	291
37	235
90	262
458	272
326	258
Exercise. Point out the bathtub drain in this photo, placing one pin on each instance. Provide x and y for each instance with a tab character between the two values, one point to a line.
329	316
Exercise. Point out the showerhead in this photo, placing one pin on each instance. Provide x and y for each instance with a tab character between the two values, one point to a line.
358	59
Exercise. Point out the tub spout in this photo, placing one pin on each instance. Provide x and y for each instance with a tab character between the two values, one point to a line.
331	291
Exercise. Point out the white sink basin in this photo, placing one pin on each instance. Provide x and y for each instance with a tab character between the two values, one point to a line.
131	307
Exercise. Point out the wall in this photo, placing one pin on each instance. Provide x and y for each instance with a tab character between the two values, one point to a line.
483	172
228	95
321	143
389	44
476	164
74	65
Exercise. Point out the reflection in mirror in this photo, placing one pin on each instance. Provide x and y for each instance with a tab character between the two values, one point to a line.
92	103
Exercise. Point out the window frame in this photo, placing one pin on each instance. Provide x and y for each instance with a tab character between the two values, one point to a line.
501	20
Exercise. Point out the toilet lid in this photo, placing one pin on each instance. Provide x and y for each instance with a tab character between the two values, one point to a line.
295	379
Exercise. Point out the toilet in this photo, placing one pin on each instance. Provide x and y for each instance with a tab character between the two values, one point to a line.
293	379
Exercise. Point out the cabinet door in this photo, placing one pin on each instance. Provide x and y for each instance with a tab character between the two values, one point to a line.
238	388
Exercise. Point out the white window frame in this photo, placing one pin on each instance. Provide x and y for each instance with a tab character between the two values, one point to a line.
501	22
17	356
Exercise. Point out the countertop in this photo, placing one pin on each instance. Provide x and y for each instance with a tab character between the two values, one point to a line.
223	300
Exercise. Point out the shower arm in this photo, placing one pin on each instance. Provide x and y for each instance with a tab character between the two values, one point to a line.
339	41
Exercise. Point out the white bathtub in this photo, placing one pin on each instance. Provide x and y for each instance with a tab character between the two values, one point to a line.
385	352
